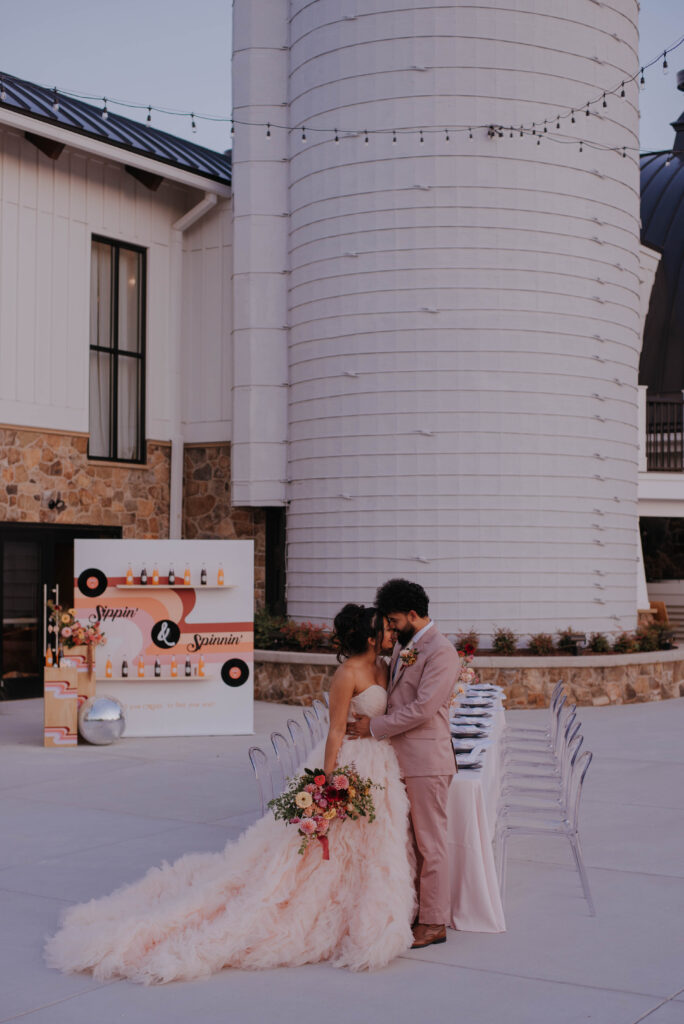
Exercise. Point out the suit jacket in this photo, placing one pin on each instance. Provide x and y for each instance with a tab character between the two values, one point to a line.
417	716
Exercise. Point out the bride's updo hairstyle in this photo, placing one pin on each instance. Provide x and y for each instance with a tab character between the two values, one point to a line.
355	625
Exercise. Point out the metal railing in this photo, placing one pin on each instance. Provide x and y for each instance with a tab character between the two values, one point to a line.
665	433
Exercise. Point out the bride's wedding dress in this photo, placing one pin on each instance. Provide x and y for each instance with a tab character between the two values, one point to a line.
259	903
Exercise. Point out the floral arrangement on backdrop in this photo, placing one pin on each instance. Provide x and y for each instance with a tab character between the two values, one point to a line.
314	801
69	632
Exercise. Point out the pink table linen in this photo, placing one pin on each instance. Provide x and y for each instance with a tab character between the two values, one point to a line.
473	798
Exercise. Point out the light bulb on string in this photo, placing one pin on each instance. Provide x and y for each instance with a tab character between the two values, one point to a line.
337	136
232	126
55	101
394	135
304	133
545	128
624	151
572	117
365	139
642	81
557	123
149	115
604	100
668	161
192	123
470	133
446	135
105	112
521	131
268	130
421	136
622	91
510	133
666	66
587	111
580	147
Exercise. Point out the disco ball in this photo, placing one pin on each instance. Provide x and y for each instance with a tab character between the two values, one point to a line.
101	720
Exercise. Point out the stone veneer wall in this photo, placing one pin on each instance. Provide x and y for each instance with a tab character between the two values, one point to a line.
38	464
208	513
293	678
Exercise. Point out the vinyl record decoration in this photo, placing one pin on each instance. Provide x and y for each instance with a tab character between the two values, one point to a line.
235	672
92	582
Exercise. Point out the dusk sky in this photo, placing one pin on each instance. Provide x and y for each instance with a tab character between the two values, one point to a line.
177	55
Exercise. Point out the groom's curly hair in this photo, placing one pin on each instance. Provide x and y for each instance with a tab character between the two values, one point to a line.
402	596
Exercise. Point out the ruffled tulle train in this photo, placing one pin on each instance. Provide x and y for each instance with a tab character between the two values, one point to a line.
259	903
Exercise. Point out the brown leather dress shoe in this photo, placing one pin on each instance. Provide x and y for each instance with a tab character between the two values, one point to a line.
428	935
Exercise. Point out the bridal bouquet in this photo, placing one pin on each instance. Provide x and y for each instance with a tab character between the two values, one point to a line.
314	801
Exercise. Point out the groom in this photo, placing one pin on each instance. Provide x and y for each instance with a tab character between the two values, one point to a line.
423	672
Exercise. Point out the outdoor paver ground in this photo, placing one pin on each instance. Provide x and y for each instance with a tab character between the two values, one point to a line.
78	823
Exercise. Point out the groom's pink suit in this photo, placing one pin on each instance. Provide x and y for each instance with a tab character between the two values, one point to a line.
417	722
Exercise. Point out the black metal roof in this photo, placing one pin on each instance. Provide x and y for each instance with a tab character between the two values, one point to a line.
37	102
662	229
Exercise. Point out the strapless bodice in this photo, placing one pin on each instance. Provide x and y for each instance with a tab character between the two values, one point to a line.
371	701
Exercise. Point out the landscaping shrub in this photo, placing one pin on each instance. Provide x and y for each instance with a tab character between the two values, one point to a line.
468	642
541	643
504	641
599	643
626	643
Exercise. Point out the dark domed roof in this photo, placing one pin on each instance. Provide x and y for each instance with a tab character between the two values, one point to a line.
662	229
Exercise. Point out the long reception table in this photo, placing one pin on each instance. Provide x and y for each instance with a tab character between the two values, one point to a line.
473	799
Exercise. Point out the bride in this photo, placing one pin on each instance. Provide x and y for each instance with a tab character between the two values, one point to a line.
259	903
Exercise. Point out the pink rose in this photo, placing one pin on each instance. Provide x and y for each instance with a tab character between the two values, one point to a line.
308	827
295	821
322	803
66	631
340	782
310	788
323	827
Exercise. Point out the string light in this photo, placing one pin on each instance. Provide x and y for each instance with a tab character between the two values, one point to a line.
304	133
494	131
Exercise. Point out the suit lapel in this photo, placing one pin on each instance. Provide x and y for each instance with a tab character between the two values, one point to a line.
393	665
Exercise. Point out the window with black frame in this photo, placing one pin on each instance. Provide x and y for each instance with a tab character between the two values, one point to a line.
117	352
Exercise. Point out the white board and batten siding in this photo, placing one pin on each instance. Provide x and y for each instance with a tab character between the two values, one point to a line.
464	323
49	211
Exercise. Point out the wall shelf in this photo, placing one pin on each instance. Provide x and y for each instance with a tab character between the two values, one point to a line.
174	586
153	679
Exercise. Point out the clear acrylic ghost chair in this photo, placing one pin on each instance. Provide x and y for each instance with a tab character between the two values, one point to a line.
321	713
558	708
550	773
313	726
262	768
563	822
547	753
547	788
284	753
298	740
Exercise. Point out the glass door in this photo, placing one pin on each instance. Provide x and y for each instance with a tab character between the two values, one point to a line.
22	618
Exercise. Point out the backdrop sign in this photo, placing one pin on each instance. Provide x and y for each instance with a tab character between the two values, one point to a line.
179	622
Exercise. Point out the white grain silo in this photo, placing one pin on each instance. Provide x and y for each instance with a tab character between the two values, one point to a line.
462	315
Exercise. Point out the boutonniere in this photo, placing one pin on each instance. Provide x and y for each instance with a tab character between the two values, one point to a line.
409	656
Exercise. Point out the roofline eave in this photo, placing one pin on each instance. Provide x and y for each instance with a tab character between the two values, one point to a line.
114	152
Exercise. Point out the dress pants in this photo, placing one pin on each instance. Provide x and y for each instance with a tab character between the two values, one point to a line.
428	799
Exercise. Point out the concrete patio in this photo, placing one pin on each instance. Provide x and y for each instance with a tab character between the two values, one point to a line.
78	823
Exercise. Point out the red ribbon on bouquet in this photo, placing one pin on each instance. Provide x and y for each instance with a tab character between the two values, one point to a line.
323	840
